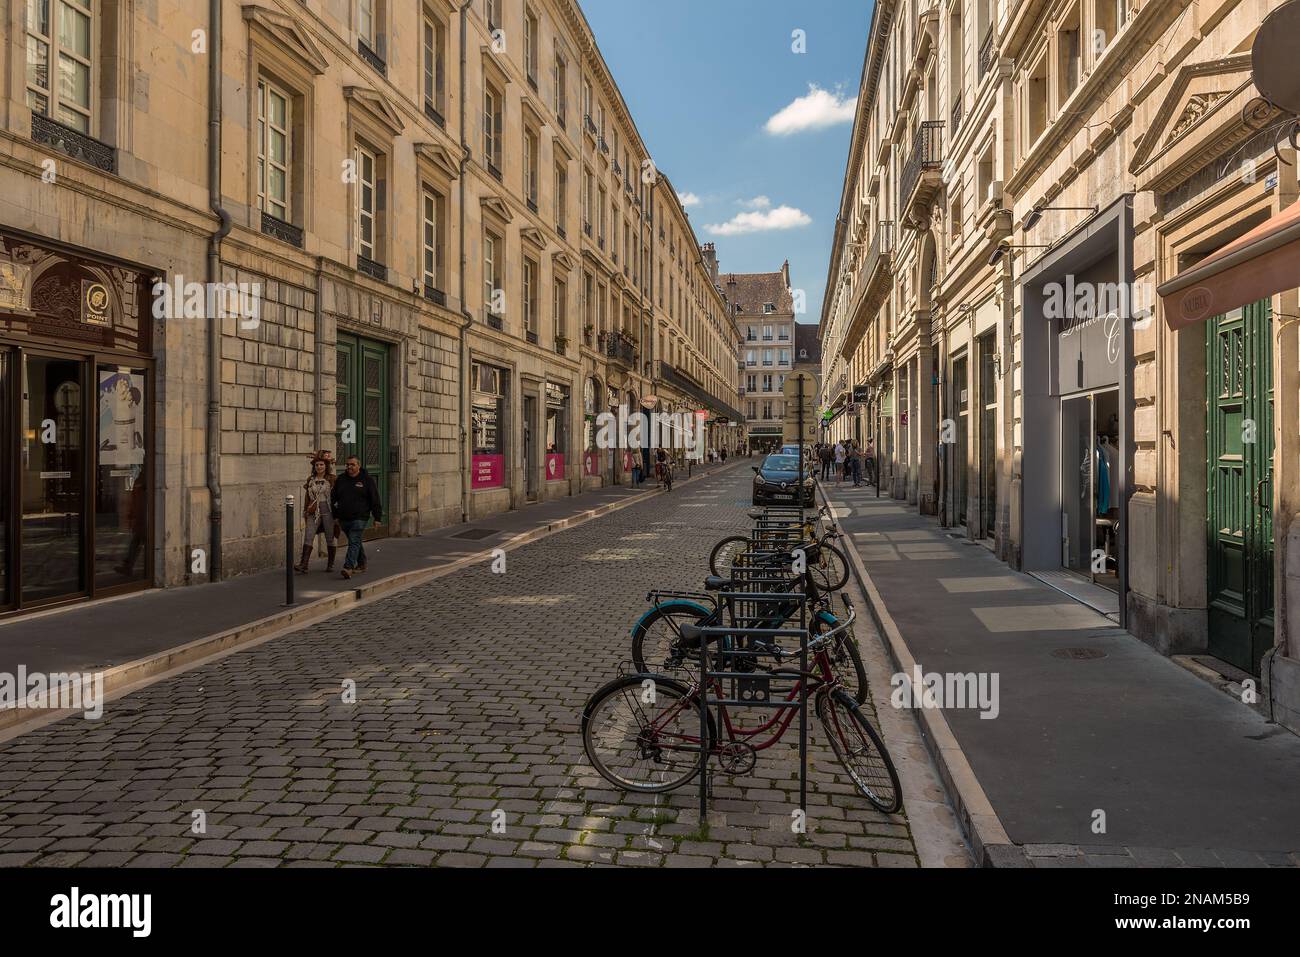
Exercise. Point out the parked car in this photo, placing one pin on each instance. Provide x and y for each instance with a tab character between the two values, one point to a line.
777	482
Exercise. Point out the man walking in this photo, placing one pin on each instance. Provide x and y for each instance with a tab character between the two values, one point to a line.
839	462
855	464
827	458
355	500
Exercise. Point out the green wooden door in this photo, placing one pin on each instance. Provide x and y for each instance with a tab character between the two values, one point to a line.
1239	497
363	401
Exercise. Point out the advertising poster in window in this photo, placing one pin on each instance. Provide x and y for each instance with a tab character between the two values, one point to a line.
557	432
121	419
487	465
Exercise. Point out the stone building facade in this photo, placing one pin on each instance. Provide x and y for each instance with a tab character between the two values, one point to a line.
763	307
1078	153
232	233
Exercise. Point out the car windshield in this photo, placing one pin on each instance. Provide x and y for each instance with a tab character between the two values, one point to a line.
782	463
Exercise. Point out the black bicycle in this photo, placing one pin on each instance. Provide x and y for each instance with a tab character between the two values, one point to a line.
827	562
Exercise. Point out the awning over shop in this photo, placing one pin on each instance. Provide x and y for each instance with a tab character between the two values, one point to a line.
1261	263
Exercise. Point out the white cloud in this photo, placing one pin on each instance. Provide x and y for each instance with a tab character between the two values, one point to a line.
819	109
782	217
758	202
688	199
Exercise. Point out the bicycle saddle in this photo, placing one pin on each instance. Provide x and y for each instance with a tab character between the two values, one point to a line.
714	583
691	635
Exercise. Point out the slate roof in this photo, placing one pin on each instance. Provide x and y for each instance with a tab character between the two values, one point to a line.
806	337
753	289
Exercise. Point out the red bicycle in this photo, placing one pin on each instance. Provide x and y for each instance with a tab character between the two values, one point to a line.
641	732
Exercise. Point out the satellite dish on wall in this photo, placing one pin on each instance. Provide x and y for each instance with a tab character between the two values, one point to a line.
1274	57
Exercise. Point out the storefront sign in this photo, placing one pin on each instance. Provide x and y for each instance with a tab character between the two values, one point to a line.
590	465
554	467
95	303
13	285
487	471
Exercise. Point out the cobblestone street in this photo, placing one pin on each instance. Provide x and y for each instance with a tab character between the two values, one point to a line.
468	696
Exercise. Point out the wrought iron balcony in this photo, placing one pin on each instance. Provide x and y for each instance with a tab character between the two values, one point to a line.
921	178
621	347
956	116
73	142
988	53
278	228
373	58
618	170
435	295
434	115
588	124
604	147
371	268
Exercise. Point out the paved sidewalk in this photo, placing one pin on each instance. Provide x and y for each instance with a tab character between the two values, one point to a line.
1184	774
101	635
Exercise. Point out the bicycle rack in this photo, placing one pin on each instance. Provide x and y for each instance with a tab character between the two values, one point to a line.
746	641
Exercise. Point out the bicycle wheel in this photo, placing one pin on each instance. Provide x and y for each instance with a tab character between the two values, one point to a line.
643	737
654	638
846	662
860	750
726	553
831	571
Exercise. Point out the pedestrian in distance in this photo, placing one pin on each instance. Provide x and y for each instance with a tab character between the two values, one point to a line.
827	457
840	458
869	463
661	457
354	502
318	511
723	453
855	464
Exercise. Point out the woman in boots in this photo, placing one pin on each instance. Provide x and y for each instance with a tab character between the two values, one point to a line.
317	518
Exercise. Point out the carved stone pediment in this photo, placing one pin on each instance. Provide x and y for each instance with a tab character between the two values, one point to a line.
289	36
1198	119
563	261
376	106
495	206
533	235
439	157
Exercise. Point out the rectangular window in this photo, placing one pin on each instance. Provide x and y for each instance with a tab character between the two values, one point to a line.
491	303
60	61
492	10
1069	53
602	297
492	106
530	168
274	143
557	431
367	203
600	216
561	77
1035	104
560	309
435	45
767	333
530	299
531	30
588	302
366	22
785	357
561	196
431	239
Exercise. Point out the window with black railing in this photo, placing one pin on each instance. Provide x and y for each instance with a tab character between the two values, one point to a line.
988	52
926	155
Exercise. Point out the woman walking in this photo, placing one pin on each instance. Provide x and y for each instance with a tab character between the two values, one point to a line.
839	462
318	518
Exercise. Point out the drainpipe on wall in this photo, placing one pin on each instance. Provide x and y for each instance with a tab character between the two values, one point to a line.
214	276
320	352
462	392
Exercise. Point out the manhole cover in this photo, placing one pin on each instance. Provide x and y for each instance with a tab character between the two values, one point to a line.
476	534
1078	654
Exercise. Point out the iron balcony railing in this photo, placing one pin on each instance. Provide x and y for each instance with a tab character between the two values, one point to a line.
927	154
620	346
988	52
882	246
956	116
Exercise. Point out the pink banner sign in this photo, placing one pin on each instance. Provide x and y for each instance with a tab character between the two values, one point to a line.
487	471
627	460
590	464
554	466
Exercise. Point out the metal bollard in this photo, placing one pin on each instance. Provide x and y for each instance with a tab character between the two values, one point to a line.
288	549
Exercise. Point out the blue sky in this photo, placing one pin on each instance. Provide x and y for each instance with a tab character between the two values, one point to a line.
707	82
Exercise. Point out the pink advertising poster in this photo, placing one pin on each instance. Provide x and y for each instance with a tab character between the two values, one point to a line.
487	471
627	460
590	464
554	467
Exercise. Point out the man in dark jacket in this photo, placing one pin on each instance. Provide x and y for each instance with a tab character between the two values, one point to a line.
355	500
